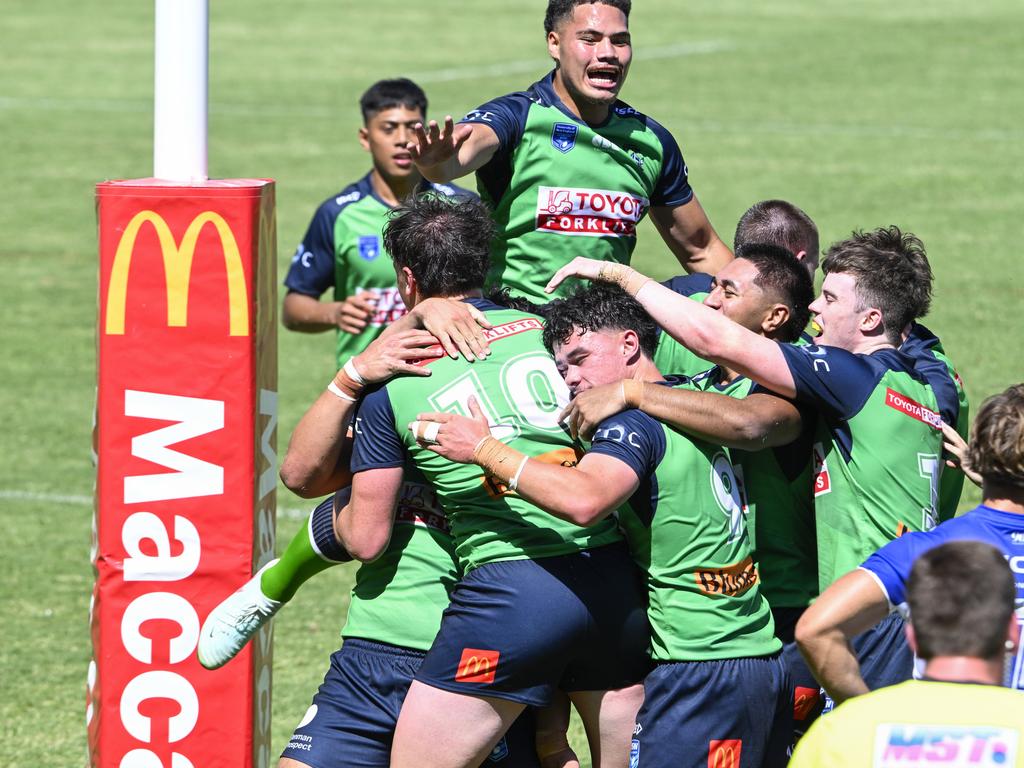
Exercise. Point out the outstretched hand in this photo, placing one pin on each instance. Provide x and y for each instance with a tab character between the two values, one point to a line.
956	450
432	145
578	267
458	326
588	409
391	354
452	435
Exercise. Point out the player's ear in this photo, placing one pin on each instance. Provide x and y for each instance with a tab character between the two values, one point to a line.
364	138
776	317
871	321
630	345
553	45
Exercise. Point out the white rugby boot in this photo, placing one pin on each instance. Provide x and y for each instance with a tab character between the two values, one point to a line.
233	623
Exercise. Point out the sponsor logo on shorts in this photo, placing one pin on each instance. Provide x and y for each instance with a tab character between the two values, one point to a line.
634	754
477	666
563	136
804	701
822	481
592	212
912	408
730	580
898	745
724	753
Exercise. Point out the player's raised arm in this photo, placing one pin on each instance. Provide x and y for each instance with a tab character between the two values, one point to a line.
700	329
758	421
584	494
688	233
447	153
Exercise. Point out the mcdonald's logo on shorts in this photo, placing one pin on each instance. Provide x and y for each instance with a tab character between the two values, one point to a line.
177	266
724	753
804	701
477	666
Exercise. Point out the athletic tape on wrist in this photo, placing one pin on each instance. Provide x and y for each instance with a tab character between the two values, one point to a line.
335	390
350	369
499	460
513	484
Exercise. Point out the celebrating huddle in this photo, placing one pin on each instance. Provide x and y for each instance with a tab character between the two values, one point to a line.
626	497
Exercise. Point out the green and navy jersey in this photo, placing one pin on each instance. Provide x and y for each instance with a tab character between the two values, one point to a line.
520	391
890	566
877	452
930	358
399	597
562	188
343	250
671	357
686	528
777	489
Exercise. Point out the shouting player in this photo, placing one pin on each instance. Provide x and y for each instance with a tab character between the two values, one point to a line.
566	166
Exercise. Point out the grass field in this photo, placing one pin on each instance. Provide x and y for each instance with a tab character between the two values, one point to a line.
863	112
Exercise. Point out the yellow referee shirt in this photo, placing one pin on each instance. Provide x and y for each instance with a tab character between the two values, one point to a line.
920	723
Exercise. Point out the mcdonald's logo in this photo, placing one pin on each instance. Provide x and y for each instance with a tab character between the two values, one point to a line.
804	701
724	753
177	261
477	666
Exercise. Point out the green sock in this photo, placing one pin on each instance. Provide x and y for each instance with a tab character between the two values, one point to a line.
312	550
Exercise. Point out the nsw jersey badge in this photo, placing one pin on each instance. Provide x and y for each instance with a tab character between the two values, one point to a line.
563	136
369	246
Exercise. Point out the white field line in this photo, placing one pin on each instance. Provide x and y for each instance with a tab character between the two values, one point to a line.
537	65
292	513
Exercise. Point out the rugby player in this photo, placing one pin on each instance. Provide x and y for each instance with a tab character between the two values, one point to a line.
961	597
877	444
863	597
566	166
775	222
718	679
341	250
541	604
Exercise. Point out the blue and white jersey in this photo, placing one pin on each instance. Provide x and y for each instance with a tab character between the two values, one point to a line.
890	566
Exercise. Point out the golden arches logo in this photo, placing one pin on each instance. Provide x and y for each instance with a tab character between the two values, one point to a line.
177	260
725	753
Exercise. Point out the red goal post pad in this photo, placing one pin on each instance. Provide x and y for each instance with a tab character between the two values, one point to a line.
186	481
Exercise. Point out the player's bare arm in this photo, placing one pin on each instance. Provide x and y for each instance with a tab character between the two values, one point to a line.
584	494
700	329
316	462
853	604
758	421
307	314
688	233
452	151
363	526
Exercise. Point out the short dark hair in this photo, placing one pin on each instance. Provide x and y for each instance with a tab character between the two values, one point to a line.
961	596
783	277
443	241
996	451
560	10
780	223
388	94
598	307
892	273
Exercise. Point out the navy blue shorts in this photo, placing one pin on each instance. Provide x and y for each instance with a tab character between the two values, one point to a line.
352	719
519	629
731	712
